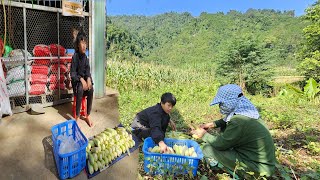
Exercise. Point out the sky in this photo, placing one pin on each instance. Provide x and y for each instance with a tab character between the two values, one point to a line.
196	7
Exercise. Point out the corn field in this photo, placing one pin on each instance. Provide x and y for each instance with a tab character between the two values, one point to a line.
141	84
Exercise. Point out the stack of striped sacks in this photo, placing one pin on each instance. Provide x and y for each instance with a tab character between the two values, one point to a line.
55	82
15	76
40	70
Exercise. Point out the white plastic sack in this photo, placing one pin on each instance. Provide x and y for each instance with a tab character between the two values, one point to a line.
16	74
17	88
68	144
19	53
5	107
18	58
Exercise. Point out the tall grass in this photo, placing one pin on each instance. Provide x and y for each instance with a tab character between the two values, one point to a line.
141	84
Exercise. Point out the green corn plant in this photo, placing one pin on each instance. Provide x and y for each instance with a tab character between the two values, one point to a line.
312	89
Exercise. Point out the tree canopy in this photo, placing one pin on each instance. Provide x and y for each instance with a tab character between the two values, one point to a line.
310	51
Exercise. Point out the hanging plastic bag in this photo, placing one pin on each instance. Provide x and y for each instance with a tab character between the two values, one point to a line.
7	51
5	107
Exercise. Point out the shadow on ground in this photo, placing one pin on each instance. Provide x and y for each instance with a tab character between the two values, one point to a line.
49	161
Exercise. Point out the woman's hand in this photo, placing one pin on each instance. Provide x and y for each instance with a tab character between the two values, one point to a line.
208	125
173	125
163	147
198	133
84	84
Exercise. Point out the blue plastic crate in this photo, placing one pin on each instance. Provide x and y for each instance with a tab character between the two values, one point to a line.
69	164
156	163
71	51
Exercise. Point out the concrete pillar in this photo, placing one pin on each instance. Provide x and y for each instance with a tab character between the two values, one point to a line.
98	48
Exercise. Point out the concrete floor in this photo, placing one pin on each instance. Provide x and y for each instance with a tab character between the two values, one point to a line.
25	141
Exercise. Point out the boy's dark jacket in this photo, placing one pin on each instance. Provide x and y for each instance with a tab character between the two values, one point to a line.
156	119
80	68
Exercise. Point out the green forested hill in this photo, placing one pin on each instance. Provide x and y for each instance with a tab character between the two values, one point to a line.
152	32
174	39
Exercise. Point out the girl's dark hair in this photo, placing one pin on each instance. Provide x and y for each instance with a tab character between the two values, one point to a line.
168	97
80	37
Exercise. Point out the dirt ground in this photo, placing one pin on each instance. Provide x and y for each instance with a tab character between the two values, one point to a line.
25	139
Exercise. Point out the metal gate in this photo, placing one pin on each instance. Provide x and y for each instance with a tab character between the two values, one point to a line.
32	78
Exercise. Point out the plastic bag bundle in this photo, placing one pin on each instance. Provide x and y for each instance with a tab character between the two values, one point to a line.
5	107
63	68
17	73
37	89
19	53
40	69
55	86
68	144
42	50
7	50
38	79
54	50
54	78
17	88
